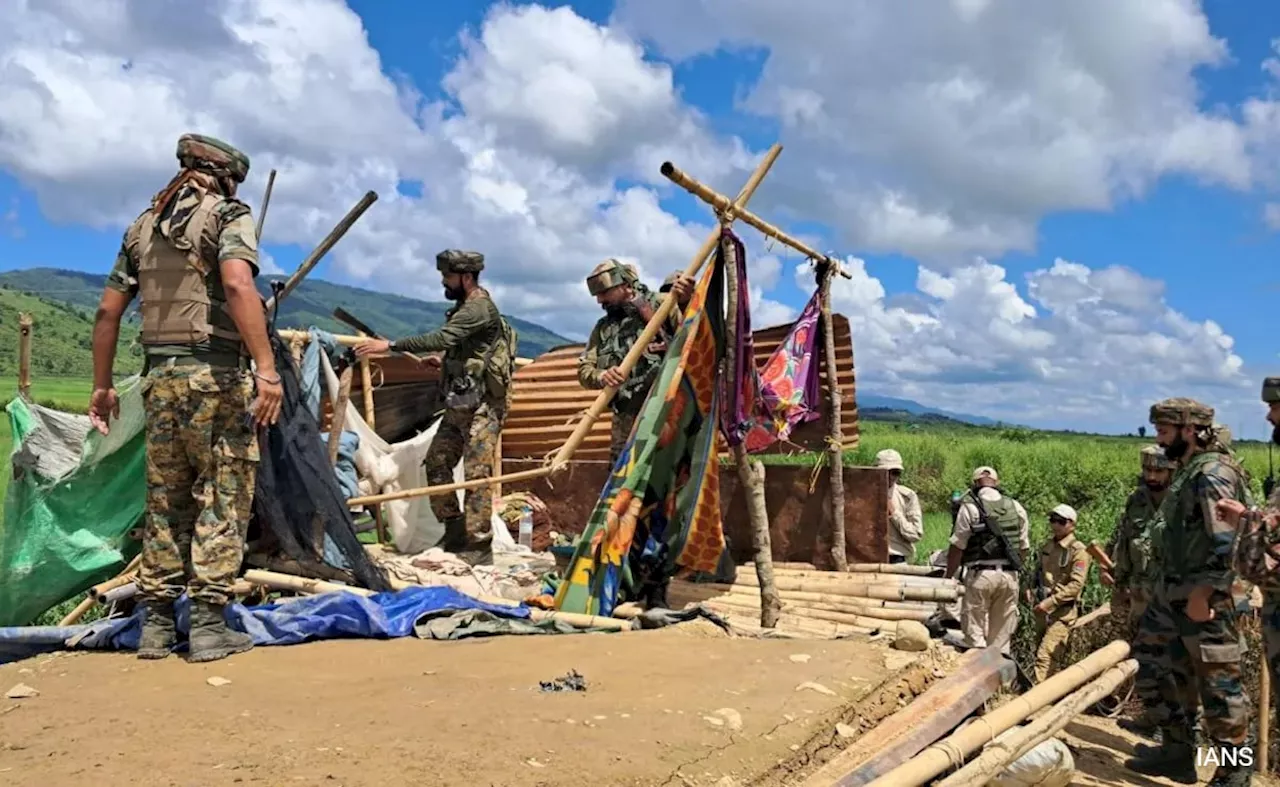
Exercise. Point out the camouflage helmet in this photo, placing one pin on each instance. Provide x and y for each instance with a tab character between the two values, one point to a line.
1271	390
1181	411
1222	436
1154	458
211	155
609	274
670	281
458	261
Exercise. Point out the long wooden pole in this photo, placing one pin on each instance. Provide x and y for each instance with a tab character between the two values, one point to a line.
1264	713
24	355
750	471
936	759
560	461
328	243
1016	742
835	439
266	200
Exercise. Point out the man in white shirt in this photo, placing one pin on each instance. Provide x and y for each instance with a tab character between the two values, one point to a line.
989	612
906	523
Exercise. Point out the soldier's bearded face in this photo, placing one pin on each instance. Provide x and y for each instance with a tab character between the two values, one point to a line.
1172	440
1155	480
613	300
453	289
1273	416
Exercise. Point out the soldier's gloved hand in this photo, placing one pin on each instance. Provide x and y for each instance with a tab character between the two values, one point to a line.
103	404
613	377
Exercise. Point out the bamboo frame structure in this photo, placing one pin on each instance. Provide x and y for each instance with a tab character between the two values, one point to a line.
827	267
560	461
266	200
328	243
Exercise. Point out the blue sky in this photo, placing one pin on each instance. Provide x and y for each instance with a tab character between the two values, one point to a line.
1204	239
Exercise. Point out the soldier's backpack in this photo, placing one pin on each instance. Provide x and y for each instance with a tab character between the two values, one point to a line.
500	360
1257	547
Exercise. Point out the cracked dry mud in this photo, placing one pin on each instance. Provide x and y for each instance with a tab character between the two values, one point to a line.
443	713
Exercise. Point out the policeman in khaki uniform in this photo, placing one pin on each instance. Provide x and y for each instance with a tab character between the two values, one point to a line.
1064	567
989	610
192	256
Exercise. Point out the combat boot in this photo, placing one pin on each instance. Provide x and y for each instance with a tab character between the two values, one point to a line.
1144	725
159	631
210	638
1173	759
1235	774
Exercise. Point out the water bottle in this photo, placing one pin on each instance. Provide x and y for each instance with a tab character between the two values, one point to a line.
526	528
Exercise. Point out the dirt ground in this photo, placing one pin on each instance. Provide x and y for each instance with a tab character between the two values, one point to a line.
659	709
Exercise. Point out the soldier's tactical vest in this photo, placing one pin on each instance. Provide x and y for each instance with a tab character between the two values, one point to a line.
1143	520
1000	513
1185	545
485	360
615	340
183	301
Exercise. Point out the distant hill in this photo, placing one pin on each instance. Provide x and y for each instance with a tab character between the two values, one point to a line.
311	304
891	408
61	339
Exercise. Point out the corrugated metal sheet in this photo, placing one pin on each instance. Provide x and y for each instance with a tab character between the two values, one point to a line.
547	400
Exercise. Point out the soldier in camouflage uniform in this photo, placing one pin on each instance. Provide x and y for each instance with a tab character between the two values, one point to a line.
192	255
628	306
1193	610
479	350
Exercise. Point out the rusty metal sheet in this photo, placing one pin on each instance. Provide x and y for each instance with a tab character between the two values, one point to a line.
799	519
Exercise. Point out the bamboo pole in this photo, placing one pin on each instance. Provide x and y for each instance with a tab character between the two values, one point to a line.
975	678
721	203
894	568
1100	555
126	575
266	200
127	590
78	612
869	590
822	610
1100	612
339	412
1016	742
25	323
797	596
328	243
951	751
751	473
279	581
847	576
835	449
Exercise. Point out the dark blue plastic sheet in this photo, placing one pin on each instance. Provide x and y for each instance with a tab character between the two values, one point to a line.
326	616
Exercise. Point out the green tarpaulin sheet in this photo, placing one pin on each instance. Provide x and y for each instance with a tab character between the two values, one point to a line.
73	497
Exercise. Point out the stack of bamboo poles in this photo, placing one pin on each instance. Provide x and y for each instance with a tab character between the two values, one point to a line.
864	599
1002	735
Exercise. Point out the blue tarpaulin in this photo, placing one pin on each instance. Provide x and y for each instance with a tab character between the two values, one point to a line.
326	616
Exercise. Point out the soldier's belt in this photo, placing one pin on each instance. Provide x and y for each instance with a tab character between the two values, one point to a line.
217	360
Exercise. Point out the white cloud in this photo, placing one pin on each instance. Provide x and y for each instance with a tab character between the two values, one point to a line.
945	129
1082	347
1271	215
546	111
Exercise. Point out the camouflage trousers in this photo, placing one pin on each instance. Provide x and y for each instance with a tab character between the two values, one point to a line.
619	434
1054	630
1175	655
469	435
202	464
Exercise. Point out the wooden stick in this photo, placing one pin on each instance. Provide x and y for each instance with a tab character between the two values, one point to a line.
1100	612
721	203
602	400
847	576
278	581
328	243
339	412
895	568
942	755
801	597
266	200
440	489
800	607
78	612
1016	742
25	322
835	449
1099	554
751	473
886	592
